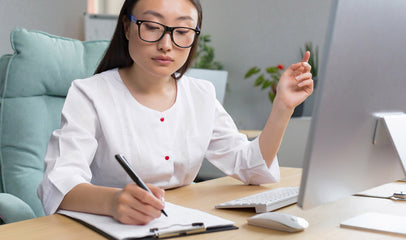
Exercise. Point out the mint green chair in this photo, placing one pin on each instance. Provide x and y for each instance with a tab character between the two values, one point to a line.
34	82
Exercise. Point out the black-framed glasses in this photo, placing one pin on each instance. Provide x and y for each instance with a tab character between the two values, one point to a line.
150	31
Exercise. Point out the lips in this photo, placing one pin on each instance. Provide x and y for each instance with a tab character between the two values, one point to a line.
163	59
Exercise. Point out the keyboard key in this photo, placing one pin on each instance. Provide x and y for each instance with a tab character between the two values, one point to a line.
265	201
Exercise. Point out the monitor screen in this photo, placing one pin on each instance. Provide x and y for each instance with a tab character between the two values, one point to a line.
362	73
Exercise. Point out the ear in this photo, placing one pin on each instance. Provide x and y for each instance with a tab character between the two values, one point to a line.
126	25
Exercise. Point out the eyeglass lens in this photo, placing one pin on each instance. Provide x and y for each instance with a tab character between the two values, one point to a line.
151	32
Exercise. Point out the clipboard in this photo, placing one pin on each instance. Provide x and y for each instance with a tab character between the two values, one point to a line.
181	222
194	228
384	191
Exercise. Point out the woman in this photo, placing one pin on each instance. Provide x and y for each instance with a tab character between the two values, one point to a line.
140	105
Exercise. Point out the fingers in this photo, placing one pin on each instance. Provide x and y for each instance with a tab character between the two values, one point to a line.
306	57
144	196
128	215
304	79
303	76
158	193
306	83
137	206
300	67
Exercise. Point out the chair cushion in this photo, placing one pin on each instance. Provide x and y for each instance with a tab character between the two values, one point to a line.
34	86
14	209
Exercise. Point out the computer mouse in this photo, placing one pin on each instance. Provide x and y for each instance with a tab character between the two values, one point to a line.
279	221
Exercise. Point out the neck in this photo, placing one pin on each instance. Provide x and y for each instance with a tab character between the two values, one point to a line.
136	80
155	92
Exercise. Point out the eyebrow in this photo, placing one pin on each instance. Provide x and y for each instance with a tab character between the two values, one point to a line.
158	15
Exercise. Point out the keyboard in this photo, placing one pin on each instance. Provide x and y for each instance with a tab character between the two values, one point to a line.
265	201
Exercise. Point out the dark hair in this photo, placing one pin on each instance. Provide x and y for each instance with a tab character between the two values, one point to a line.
117	54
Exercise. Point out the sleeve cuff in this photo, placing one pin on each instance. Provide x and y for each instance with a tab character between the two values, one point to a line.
259	173
52	196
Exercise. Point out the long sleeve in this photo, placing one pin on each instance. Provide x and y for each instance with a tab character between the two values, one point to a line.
70	150
232	153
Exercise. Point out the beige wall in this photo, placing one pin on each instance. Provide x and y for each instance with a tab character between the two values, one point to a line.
58	17
111	7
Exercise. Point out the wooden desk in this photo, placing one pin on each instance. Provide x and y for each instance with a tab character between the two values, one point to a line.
324	220
251	133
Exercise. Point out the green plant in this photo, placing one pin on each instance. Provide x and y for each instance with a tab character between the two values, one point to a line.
314	57
204	57
268	79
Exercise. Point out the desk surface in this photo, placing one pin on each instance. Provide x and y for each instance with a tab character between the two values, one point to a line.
251	133
324	220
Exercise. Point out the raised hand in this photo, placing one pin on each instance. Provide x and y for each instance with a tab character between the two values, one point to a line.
295	84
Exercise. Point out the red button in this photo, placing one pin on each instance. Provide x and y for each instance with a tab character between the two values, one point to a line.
167	158
162	119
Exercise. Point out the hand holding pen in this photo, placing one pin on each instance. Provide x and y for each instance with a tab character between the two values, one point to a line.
136	203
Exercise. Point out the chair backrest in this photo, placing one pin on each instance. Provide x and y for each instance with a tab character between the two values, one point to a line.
34	83
217	77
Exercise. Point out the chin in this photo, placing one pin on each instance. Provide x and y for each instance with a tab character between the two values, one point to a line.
163	71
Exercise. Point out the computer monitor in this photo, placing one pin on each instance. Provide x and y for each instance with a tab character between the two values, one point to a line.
362	73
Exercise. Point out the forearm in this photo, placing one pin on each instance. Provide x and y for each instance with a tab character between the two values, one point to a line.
90	198
272	134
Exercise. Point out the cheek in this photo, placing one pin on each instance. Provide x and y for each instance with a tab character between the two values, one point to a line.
135	46
183	55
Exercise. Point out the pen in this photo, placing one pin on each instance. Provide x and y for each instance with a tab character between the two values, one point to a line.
123	162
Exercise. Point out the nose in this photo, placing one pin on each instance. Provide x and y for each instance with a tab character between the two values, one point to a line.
165	44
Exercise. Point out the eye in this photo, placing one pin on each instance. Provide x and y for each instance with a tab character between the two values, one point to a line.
182	31
152	26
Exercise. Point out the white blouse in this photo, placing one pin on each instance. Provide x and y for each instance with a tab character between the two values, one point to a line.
100	118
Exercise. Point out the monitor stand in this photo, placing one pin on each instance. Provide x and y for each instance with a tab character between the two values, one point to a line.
392	126
395	126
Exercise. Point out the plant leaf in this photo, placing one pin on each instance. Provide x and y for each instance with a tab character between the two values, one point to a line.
204	57
207	38
259	80
217	66
275	78
272	70
266	84
251	72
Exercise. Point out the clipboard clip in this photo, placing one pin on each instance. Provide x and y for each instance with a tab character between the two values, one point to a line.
178	230
399	196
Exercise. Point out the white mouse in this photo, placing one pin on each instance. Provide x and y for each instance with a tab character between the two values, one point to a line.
279	221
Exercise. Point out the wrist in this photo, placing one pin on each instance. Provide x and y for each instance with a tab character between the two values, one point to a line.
282	108
111	202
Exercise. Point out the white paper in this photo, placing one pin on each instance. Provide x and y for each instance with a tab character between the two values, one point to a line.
384	191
